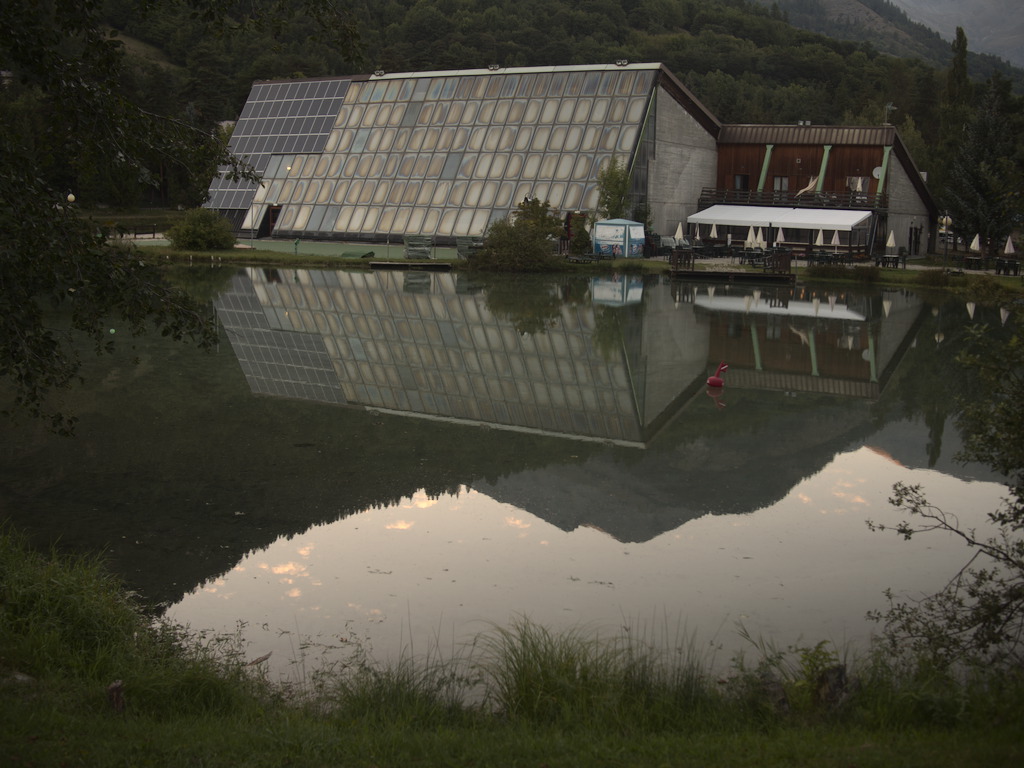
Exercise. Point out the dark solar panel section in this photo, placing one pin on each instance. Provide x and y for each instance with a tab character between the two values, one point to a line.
275	362
278	117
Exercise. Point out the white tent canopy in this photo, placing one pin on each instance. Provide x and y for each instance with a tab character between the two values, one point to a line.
795	218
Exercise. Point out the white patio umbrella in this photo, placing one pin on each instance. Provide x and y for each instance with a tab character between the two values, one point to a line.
679	231
759	240
820	239
750	238
891	242
835	238
976	244
1008	248
714	232
780	236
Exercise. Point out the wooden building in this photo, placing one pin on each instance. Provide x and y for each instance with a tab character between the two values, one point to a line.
852	186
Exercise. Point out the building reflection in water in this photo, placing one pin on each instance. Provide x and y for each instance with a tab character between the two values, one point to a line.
612	367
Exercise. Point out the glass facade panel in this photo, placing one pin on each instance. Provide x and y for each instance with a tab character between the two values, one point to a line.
503	198
358	214
354	190
498	163
573	137
514	166
464	222
549	111
557	140
627	138
636	110
461	150
401	220
426	193
458	193
441	190
397	191
501	111
366	195
584	163
476	138
617	111
472	198
566	110
540	138
371	221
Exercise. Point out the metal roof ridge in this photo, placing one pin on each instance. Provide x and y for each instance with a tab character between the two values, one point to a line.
520	70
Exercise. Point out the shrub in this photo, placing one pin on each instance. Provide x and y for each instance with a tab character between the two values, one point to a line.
580	244
524	242
203	230
932	278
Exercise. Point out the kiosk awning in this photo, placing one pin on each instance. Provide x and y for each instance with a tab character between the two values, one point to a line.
788	218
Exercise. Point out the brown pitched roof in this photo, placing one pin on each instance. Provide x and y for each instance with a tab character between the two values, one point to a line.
856	135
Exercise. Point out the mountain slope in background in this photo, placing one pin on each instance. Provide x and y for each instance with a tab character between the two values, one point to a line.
991	26
921	29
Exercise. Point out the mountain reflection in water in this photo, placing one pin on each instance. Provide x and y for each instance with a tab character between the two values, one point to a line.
554	422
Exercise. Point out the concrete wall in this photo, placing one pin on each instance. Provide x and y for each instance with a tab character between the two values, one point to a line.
685	160
906	209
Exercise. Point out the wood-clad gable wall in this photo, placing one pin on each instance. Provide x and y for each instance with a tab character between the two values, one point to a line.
799	164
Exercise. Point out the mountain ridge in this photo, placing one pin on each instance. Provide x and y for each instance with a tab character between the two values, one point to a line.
919	29
992	26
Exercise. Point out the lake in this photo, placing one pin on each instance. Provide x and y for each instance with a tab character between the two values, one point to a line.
396	461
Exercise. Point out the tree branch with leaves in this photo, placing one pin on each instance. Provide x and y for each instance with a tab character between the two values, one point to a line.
978	617
62	107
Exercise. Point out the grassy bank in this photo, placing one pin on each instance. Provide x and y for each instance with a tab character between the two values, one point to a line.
87	679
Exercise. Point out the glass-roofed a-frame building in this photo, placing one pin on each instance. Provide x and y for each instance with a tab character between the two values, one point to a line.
443	154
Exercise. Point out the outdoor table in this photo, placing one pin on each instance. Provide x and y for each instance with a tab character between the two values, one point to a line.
974	262
1005	266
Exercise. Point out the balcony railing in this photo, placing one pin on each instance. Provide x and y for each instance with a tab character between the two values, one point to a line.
851	200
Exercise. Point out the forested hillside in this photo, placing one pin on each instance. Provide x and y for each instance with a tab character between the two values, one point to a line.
743	59
888	28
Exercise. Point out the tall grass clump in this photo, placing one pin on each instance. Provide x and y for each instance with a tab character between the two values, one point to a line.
67	619
577	680
408	693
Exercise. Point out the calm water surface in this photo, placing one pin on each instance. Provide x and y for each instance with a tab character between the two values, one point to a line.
401	460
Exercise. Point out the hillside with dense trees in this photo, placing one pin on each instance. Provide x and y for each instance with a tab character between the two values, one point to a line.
742	58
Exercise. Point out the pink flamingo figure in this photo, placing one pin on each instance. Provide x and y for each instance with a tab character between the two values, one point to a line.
717	380
715	393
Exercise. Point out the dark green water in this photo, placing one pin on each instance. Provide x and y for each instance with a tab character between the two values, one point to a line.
433	450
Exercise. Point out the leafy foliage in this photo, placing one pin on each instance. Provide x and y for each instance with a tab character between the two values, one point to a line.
523	242
73	122
979	615
613	190
59	279
983	191
202	230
